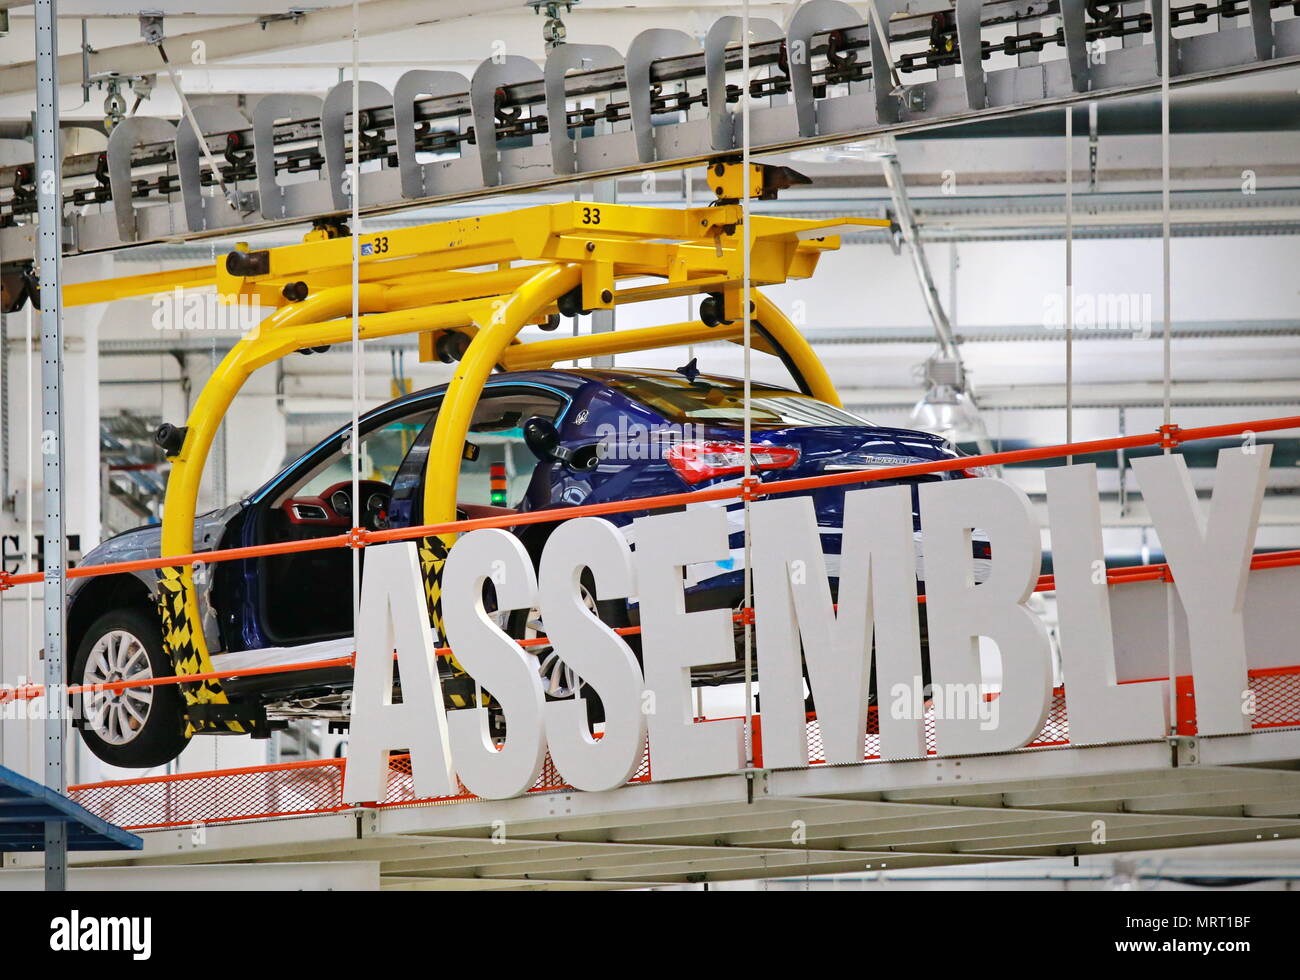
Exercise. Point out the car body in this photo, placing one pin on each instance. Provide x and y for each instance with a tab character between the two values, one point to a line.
617	435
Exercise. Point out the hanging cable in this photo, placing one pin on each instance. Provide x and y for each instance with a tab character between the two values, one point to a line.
354	194
29	647
1168	53
748	599
688	196
1069	278
1167	30
226	192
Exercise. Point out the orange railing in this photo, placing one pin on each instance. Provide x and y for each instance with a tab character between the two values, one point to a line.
1166	436
157	801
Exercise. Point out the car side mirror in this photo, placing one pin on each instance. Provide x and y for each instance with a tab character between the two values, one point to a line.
543	439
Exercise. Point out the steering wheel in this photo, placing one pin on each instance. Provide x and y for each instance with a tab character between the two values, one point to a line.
332	507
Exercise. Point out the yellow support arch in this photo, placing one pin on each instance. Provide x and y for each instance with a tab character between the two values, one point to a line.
485	277
498	325
289	329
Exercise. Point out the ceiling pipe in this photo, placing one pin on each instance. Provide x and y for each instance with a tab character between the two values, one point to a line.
911	235
950	393
222	43
21	129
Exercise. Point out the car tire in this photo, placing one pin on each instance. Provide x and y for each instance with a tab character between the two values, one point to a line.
137	728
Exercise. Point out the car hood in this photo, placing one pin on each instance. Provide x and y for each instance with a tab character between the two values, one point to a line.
146	542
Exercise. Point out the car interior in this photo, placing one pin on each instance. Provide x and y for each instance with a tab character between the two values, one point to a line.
318	503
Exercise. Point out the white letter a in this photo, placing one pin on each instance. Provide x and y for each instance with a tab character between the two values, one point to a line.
394	617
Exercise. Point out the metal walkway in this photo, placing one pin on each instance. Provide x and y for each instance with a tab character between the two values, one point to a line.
27	806
1033	803
1051	799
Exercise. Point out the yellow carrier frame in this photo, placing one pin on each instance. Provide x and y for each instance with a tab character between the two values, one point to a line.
485	278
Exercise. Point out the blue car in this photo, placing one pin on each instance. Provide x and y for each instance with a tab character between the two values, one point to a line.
539	440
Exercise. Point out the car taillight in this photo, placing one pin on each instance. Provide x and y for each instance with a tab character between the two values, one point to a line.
699	461
974	471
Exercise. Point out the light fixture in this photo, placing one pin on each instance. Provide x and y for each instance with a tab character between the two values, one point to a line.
945	409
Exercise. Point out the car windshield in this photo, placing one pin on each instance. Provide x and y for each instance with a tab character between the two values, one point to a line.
382	451
721	401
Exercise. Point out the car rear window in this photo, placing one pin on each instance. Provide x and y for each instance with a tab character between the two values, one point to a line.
720	401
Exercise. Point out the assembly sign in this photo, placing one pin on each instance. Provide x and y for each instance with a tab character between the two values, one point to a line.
802	628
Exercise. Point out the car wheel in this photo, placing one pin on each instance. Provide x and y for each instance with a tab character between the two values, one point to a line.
135	728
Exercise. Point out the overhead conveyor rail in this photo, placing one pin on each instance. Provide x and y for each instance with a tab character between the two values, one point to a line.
669	102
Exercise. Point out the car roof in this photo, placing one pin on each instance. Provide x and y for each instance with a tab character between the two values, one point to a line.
607	374
571	379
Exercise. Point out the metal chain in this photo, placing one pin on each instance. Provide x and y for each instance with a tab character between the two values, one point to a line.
842	66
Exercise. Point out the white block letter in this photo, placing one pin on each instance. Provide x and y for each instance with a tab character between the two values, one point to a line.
1101	710
959	612
594	652
672	641
394	617
494	660
1210	558
877	592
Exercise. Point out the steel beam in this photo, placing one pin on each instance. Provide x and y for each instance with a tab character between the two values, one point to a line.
50	253
1010	807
